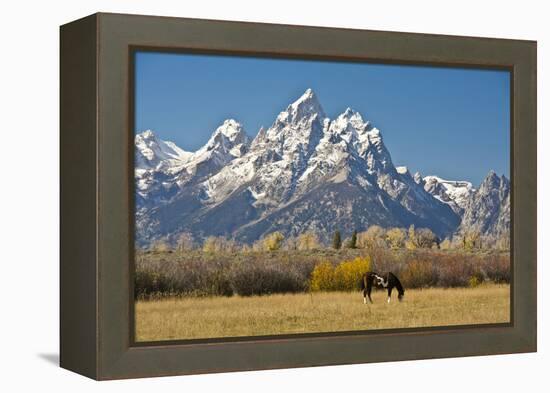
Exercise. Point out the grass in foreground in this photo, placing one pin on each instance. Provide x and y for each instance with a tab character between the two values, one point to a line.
191	318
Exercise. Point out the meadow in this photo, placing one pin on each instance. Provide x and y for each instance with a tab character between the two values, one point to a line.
191	317
189	294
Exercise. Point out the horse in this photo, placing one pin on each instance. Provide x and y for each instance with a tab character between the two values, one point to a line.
387	280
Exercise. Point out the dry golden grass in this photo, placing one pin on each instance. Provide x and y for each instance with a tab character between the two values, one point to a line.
190	318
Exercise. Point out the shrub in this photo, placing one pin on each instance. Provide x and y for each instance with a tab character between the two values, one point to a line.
248	280
418	274
410	243
425	238
273	241
149	283
290	244
474	281
347	275
396	238
185	242
322	277
503	242
217	283
471	240
446	244
344	277
210	245
160	246
308	241
454	271
372	237
497	268
219	244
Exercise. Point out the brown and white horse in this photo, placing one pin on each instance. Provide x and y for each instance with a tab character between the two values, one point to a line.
386	280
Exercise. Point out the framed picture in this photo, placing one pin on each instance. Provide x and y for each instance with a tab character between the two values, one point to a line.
241	196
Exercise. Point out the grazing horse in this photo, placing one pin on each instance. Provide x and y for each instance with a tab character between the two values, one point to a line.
387	280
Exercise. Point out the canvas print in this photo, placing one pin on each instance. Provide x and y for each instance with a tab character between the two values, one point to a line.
284	196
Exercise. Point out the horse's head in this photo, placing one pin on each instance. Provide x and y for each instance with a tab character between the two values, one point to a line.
401	295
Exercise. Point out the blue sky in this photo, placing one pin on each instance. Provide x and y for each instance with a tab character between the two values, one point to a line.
446	121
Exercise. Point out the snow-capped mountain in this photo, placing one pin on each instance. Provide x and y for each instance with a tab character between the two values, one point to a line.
162	169
153	153
306	172
455	193
488	209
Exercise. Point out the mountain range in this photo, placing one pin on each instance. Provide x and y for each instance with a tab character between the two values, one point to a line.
306	172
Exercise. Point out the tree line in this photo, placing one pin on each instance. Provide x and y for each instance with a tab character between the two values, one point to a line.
374	237
245	274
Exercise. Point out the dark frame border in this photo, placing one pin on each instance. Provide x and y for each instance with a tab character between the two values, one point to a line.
94	323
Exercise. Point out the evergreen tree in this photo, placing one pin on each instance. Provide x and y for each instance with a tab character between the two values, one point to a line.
353	240
337	240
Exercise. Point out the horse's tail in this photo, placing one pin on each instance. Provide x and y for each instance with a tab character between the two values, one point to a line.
399	287
364	281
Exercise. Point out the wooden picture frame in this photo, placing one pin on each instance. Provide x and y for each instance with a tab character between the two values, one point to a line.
97	196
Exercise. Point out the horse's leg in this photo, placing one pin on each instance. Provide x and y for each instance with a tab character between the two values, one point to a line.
369	289
366	295
389	293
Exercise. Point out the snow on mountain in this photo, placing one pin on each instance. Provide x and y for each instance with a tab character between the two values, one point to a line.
278	156
402	170
227	142
156	163
152	152
162	168
297	130
455	193
418	179
488	209
341	152
403	188
304	172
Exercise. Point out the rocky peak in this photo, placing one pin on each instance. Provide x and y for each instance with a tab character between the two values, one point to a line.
229	139
151	151
229	131
488	210
305	110
418	179
349	125
259	138
491	182
305	106
455	193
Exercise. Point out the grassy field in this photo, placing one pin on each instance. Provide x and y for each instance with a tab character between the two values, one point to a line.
208	317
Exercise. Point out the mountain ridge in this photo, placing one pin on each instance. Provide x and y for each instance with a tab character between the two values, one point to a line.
295	176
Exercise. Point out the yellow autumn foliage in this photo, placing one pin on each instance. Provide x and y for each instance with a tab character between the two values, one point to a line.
345	276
